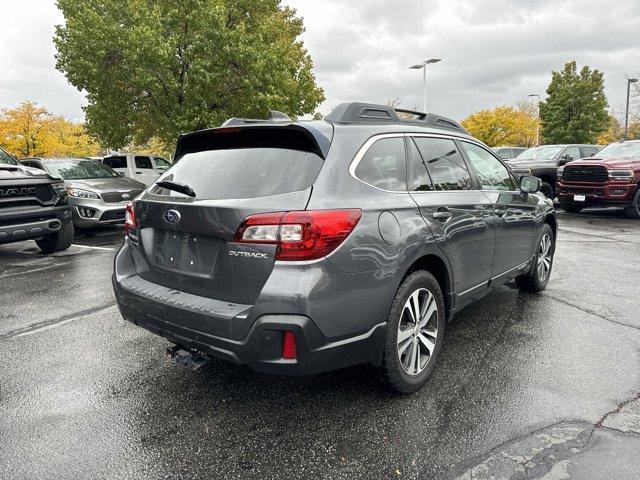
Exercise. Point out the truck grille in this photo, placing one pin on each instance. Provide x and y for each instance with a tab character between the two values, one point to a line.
117	197
23	193
579	173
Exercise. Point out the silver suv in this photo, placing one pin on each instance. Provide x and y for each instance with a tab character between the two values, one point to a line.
301	247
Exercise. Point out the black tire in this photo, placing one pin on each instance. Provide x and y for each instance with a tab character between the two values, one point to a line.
571	207
534	281
633	209
548	190
55	242
394	372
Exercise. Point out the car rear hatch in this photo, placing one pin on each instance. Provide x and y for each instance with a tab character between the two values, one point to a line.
186	243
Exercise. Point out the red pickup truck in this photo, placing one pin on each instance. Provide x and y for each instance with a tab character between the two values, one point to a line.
610	179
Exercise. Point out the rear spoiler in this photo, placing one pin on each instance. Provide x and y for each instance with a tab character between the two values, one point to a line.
292	136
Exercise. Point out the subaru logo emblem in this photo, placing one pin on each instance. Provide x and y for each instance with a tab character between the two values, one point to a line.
172	216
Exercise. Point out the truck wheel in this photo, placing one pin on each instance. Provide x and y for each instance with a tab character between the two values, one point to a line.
570	207
548	190
415	329
633	209
538	276
55	242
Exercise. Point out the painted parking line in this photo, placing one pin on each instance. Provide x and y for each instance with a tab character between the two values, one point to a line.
93	247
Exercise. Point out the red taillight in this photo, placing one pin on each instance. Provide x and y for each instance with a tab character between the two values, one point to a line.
289	348
301	235
129	219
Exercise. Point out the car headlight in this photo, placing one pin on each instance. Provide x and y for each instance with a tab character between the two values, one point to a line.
79	193
621	175
58	187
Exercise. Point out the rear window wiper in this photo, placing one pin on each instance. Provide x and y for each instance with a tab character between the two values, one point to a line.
177	187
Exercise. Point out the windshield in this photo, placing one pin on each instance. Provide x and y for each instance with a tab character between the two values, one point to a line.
6	159
548	152
79	169
621	150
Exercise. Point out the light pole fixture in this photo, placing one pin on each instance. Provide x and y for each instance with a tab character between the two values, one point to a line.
626	114
423	66
537	95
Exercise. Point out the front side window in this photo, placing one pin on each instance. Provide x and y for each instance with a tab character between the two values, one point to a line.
574	152
440	160
143	162
493	175
161	162
384	165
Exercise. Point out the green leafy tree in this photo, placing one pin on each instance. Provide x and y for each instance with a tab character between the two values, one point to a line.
576	108
160	68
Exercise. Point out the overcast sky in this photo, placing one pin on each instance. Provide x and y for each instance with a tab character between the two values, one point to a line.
494	52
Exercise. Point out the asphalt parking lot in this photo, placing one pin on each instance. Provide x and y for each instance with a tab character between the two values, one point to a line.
527	386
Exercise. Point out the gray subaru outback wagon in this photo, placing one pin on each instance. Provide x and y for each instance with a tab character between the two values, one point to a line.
300	247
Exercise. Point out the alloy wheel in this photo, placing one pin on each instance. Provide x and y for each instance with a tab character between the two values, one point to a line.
544	257
417	331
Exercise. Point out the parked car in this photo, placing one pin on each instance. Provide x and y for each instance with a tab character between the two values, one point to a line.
301	247
507	153
143	168
98	194
611	179
33	206
543	162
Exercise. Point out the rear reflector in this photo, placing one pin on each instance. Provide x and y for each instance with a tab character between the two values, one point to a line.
300	235
289	350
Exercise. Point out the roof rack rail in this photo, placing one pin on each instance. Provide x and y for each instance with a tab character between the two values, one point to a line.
363	113
274	116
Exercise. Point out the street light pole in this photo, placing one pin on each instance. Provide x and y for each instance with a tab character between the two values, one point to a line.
537	95
423	66
626	114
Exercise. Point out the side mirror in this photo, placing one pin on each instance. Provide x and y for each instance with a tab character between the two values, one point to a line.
564	159
530	184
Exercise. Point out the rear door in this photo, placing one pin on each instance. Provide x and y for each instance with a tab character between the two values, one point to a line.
458	213
187	244
516	225
118	163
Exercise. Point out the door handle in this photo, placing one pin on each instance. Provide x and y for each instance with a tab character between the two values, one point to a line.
441	215
138	173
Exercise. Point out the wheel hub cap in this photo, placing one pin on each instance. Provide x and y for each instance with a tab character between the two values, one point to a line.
417	331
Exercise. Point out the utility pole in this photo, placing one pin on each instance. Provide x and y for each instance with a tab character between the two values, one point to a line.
626	114
423	66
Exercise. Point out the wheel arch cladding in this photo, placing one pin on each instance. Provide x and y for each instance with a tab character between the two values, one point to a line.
439	269
553	223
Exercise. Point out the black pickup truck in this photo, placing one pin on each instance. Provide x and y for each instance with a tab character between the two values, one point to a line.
543	162
33	206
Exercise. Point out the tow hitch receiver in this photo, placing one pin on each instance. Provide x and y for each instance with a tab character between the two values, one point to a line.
187	357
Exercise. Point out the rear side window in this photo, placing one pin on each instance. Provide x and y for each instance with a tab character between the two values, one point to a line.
443	162
384	165
243	173
143	162
116	162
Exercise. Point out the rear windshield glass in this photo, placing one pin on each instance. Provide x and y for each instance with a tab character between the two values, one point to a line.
243	173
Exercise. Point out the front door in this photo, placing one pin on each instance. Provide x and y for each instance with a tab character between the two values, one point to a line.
143	170
515	212
457	212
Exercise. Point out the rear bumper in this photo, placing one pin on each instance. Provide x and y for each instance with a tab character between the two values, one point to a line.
26	223
607	194
241	334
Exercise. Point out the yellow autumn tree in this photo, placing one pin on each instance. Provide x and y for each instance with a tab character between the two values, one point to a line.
30	130
503	125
